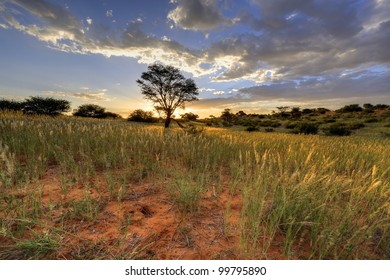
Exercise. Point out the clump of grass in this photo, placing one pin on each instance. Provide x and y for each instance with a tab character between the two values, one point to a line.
85	209
185	194
39	246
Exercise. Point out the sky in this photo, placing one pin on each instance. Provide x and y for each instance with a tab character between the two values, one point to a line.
251	55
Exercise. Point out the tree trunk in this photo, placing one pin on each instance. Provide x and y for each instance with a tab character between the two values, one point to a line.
167	121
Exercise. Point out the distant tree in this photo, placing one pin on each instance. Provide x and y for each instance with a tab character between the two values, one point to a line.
282	111
189	116
167	88
368	106
295	112
111	115
350	109
11	105
140	115
307	111
227	116
45	106
241	114
322	111
90	111
381	107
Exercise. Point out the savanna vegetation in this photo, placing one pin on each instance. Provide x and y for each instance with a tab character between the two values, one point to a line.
74	188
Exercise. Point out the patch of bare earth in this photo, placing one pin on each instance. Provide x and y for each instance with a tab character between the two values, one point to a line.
144	224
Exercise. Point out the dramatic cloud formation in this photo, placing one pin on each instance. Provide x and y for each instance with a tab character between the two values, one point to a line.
197	14
291	50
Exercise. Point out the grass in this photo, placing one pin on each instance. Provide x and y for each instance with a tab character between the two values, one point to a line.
303	196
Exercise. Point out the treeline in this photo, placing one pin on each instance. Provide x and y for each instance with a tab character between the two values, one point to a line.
53	107
341	122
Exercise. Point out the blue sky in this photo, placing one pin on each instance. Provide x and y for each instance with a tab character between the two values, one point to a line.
250	55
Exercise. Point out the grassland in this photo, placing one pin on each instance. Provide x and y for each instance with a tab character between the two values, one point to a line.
97	189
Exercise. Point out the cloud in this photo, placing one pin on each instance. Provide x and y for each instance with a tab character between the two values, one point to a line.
198	15
275	43
109	13
85	94
89	20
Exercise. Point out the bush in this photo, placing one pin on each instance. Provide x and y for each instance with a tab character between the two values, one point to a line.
46	106
269	123
306	128
90	111
371	120
268	129
290	125
350	109
252	128
11	105
189	116
356	125
140	115
337	129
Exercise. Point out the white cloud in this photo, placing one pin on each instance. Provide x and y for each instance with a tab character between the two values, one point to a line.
84	93
109	13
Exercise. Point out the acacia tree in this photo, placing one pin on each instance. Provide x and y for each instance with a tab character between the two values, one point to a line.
45	106
167	88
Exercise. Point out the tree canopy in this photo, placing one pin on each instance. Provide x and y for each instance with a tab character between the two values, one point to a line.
45	106
167	88
94	111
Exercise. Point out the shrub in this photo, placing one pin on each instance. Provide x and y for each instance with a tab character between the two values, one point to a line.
189	116
350	109
140	115
90	111
371	120
11	105
290	125
268	129
356	125
337	129
306	128
269	123
252	128
329	120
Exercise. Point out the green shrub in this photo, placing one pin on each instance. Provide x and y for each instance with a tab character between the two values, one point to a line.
337	129
269	123
356	125
290	125
306	128
251	128
371	120
268	129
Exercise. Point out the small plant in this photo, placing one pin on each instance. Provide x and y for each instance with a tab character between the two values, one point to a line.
186	195
84	209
